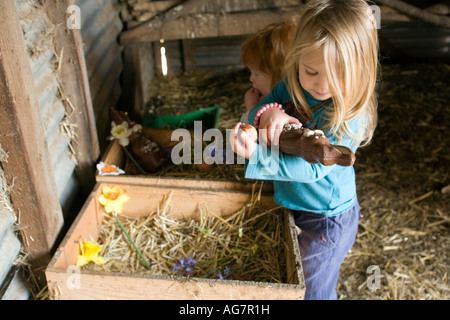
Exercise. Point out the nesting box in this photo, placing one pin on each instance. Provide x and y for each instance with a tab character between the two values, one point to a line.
65	281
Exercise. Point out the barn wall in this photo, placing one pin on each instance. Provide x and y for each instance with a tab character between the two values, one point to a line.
222	54
100	28
38	34
12	286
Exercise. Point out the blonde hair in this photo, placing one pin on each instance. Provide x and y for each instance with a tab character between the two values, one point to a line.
266	49
343	30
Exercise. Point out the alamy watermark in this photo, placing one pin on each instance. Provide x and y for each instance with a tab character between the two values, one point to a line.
191	150
73	282
74	19
374	13
373	281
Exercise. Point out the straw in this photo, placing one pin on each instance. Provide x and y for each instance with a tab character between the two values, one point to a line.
249	243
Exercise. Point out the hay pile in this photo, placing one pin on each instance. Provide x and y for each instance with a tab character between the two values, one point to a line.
400	178
247	245
177	95
404	231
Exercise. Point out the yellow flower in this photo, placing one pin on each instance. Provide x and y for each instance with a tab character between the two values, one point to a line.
89	253
113	199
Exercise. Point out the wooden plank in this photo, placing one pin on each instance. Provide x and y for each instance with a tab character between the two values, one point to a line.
116	286
139	30
205	25
157	6
415	12
204	9
75	88
28	169
138	71
232	6
85	227
186	202
143	11
189	62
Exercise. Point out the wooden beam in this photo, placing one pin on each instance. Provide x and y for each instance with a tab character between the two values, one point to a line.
28	169
135	78
138	30
415	12
74	83
143	11
157	6
208	25
208	14
233	6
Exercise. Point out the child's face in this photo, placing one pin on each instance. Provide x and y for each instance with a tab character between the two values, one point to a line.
260	81
313	75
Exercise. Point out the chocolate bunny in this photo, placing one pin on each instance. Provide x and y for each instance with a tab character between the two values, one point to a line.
314	146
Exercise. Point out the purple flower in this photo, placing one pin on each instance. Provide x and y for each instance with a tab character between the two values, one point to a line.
224	275
185	264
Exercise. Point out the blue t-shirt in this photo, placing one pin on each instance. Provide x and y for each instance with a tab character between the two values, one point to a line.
298	184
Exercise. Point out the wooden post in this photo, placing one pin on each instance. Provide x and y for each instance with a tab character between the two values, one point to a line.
74	83
28	169
189	61
132	100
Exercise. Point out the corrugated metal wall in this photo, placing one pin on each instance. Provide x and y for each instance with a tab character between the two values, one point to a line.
221	54
11	282
38	33
100	28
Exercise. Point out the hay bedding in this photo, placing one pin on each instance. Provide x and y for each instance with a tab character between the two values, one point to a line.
400	179
400	176
247	245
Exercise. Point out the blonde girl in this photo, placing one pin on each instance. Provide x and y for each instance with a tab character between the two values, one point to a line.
329	82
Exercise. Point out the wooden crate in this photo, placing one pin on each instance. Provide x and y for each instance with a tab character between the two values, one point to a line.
65	281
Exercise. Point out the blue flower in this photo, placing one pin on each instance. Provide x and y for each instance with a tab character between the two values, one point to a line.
224	275
186	264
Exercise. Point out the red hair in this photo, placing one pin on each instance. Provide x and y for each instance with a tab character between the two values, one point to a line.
266	49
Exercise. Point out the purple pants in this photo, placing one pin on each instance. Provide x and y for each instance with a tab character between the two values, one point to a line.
324	243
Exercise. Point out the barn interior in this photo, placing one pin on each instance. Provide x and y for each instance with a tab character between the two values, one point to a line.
64	65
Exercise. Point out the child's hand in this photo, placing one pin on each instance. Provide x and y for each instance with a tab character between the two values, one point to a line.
241	142
251	98
271	125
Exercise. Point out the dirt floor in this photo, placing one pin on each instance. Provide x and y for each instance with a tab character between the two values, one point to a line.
402	248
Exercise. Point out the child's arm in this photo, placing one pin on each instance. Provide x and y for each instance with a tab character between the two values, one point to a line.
251	98
271	125
272	164
271	122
